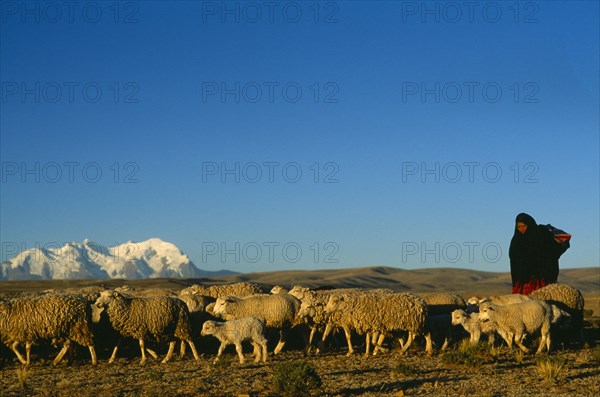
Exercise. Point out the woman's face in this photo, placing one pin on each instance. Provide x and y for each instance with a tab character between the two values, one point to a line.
521	227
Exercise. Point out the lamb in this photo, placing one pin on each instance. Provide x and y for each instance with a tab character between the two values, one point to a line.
471	324
158	318
237	331
59	317
219	291
380	313
276	311
516	319
568	299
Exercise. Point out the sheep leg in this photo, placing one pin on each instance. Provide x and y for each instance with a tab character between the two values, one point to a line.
257	353
544	341
238	349
311	336
260	348
93	354
326	333
114	353
349	340
509	339
182	349
221	348
170	352
28	351
368	343
263	343
62	352
409	341
374	338
14	347
518	341
445	344
379	345
193	347
282	335
401	341
152	353
475	336
143	352
447	339
428	343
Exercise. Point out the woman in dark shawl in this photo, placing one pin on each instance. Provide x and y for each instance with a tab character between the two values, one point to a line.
533	256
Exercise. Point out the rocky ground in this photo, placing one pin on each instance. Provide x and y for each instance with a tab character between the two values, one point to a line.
495	372
485	372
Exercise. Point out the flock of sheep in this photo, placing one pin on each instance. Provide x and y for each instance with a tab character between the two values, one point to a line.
243	312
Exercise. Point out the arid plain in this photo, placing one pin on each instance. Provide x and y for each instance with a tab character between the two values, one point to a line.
486	372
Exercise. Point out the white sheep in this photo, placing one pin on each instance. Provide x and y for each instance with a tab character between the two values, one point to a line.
381	313
515	320
237	331
59	317
276	311
157	318
313	310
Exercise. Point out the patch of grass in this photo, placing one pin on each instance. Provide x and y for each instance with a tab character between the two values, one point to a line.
471	355
295	379
404	369
552	368
519	356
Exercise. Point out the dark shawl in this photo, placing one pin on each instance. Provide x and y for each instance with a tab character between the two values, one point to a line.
533	254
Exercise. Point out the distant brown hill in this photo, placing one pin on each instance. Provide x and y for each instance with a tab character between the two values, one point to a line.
462	281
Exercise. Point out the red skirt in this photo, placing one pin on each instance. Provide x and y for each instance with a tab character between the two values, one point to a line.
527	288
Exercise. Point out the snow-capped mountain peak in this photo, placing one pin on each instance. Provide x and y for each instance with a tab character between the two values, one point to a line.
147	259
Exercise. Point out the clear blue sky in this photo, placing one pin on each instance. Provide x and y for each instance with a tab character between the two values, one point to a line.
169	95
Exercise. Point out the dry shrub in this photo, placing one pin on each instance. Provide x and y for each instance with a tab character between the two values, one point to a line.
295	379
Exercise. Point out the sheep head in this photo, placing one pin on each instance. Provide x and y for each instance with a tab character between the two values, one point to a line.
486	311
208	328
103	300
220	307
299	291
458	317
335	303
306	310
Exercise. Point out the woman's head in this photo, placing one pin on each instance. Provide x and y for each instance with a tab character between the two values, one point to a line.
524	222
